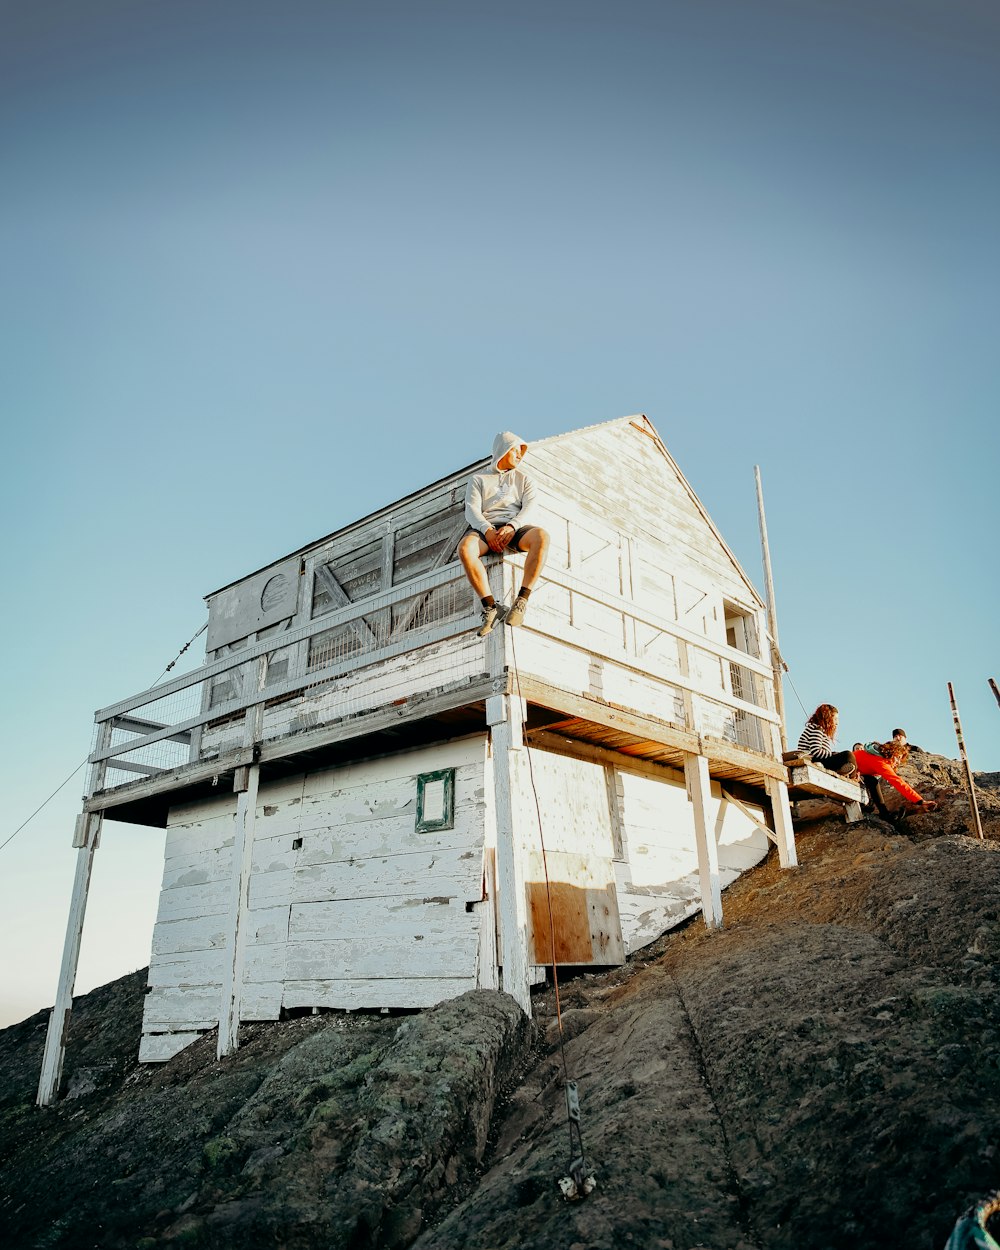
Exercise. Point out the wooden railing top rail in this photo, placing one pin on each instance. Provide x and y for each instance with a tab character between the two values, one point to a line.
117	713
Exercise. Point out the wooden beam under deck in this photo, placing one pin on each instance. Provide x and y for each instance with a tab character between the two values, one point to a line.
448	712
644	737
428	716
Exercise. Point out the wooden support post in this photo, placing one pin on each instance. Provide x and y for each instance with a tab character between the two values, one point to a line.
699	789
385	579
87	839
487	961
239	905
504	715
692	719
246	782
778	794
970	785
777	663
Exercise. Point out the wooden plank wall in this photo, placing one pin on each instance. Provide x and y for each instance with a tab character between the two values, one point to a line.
366	912
189	937
613	834
618	477
349	906
577	839
621	520
657	876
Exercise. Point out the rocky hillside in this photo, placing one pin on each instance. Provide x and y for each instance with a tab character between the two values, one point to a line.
823	1073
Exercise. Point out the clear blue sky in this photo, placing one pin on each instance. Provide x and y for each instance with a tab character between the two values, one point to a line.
264	268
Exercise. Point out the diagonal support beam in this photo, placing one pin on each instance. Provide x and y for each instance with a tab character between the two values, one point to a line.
86	839
361	628
444	555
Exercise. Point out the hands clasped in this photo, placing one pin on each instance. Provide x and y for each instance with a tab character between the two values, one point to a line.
499	539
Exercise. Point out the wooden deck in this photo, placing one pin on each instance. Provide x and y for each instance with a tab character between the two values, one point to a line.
812	780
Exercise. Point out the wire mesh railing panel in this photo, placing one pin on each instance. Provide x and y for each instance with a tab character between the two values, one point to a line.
395	648
166	719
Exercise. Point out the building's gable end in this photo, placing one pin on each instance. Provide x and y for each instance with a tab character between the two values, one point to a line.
621	476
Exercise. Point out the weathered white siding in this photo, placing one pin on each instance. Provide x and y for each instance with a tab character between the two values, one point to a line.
616	834
349	906
189	938
624	522
618	478
657	873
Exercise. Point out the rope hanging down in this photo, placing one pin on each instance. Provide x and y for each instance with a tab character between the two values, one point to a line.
579	1180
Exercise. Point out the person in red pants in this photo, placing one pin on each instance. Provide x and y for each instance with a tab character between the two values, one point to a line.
880	760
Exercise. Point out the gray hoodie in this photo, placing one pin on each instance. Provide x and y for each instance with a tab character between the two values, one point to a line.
494	498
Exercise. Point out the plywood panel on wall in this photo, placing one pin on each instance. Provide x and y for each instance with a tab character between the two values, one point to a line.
568	860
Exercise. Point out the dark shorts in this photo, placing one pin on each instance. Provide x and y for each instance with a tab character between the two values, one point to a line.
515	542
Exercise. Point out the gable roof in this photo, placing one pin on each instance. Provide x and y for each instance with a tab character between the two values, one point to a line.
638	421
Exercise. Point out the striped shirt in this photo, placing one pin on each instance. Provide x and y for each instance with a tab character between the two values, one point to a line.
815	743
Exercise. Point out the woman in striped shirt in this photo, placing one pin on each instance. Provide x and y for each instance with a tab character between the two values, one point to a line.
817	739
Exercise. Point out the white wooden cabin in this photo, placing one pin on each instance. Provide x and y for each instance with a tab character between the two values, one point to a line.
368	806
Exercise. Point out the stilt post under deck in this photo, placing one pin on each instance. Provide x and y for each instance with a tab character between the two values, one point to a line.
505	718
785	833
232	981
246	782
699	788
87	839
503	714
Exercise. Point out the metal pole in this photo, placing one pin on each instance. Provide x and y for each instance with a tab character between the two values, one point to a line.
993	687
777	664
965	761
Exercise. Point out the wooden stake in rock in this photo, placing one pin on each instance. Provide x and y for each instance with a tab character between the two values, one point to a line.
965	761
993	687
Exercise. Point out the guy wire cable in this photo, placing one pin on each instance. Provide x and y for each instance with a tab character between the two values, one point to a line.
796	693
87	756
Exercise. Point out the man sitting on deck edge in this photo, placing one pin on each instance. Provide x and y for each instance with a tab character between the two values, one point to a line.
498	508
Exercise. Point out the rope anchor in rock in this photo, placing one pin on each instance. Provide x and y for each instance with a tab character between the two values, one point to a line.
578	1184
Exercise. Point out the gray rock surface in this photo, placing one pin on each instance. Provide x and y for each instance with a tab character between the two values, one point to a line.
823	1073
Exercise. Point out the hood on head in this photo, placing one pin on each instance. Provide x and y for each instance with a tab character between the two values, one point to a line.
502	444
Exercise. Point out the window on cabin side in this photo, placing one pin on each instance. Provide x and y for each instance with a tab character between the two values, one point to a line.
436	801
742	635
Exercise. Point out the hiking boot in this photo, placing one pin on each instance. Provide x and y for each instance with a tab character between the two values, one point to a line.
491	616
516	615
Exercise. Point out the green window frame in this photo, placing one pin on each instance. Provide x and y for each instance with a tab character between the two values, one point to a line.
436	800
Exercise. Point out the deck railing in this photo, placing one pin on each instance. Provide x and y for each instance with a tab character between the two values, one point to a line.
345	661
